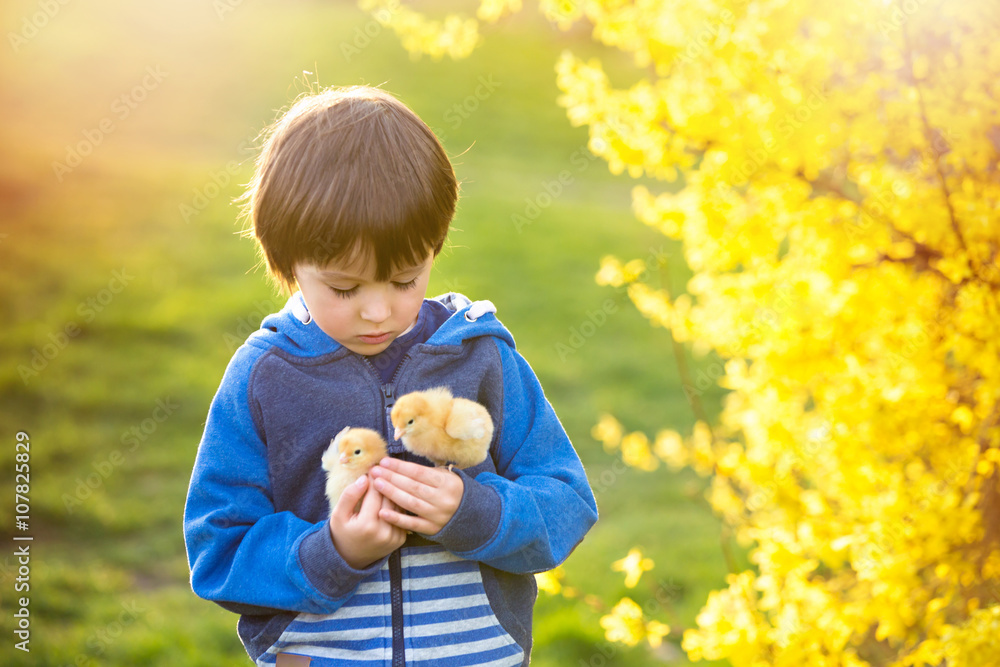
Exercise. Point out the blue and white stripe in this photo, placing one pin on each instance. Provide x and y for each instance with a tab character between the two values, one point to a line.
447	620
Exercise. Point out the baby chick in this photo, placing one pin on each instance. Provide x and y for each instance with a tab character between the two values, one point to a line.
444	429
350	455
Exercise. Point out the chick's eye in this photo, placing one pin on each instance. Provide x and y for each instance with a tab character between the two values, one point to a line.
409	422
357	452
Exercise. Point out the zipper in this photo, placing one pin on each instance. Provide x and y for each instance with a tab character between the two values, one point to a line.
388	394
396	593
389	398
395	560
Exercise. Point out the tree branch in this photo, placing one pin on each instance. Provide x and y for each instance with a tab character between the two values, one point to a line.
725	533
923	254
682	365
989	502
935	153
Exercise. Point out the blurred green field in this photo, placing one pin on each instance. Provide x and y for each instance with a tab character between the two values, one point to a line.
126	288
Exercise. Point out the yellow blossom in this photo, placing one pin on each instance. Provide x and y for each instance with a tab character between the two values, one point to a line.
624	624
839	213
633	565
551	581
637	453
608	431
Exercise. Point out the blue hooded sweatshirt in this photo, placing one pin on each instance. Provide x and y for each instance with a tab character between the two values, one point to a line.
256	521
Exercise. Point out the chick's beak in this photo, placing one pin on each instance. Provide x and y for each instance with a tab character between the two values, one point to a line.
397	433
343	459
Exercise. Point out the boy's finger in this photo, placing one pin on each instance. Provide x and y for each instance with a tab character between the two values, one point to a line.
349	498
421	473
390	509
372	502
408	522
404	499
388	504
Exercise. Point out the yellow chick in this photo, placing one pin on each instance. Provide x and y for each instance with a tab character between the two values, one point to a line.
350	455
444	429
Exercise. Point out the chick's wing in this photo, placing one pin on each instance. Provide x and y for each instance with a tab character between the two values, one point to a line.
468	420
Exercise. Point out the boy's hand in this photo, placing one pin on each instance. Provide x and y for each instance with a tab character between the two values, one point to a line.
363	538
432	494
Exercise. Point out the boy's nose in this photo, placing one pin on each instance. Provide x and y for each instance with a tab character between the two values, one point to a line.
375	310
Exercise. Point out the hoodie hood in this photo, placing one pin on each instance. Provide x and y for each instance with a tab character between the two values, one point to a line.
293	330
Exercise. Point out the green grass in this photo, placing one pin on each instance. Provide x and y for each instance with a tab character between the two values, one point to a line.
109	577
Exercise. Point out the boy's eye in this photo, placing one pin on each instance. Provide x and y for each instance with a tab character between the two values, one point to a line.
406	285
344	293
348	293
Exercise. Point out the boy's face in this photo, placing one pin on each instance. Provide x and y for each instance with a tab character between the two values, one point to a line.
363	315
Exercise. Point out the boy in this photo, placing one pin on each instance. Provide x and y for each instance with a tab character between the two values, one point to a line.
350	203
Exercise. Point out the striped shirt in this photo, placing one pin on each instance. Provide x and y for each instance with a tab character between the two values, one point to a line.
447	620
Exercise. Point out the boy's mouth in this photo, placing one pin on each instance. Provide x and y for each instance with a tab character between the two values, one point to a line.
375	339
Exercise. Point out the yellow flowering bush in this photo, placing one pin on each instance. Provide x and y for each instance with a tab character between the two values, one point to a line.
837	200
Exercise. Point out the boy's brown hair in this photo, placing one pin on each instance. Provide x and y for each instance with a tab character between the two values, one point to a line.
348	171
